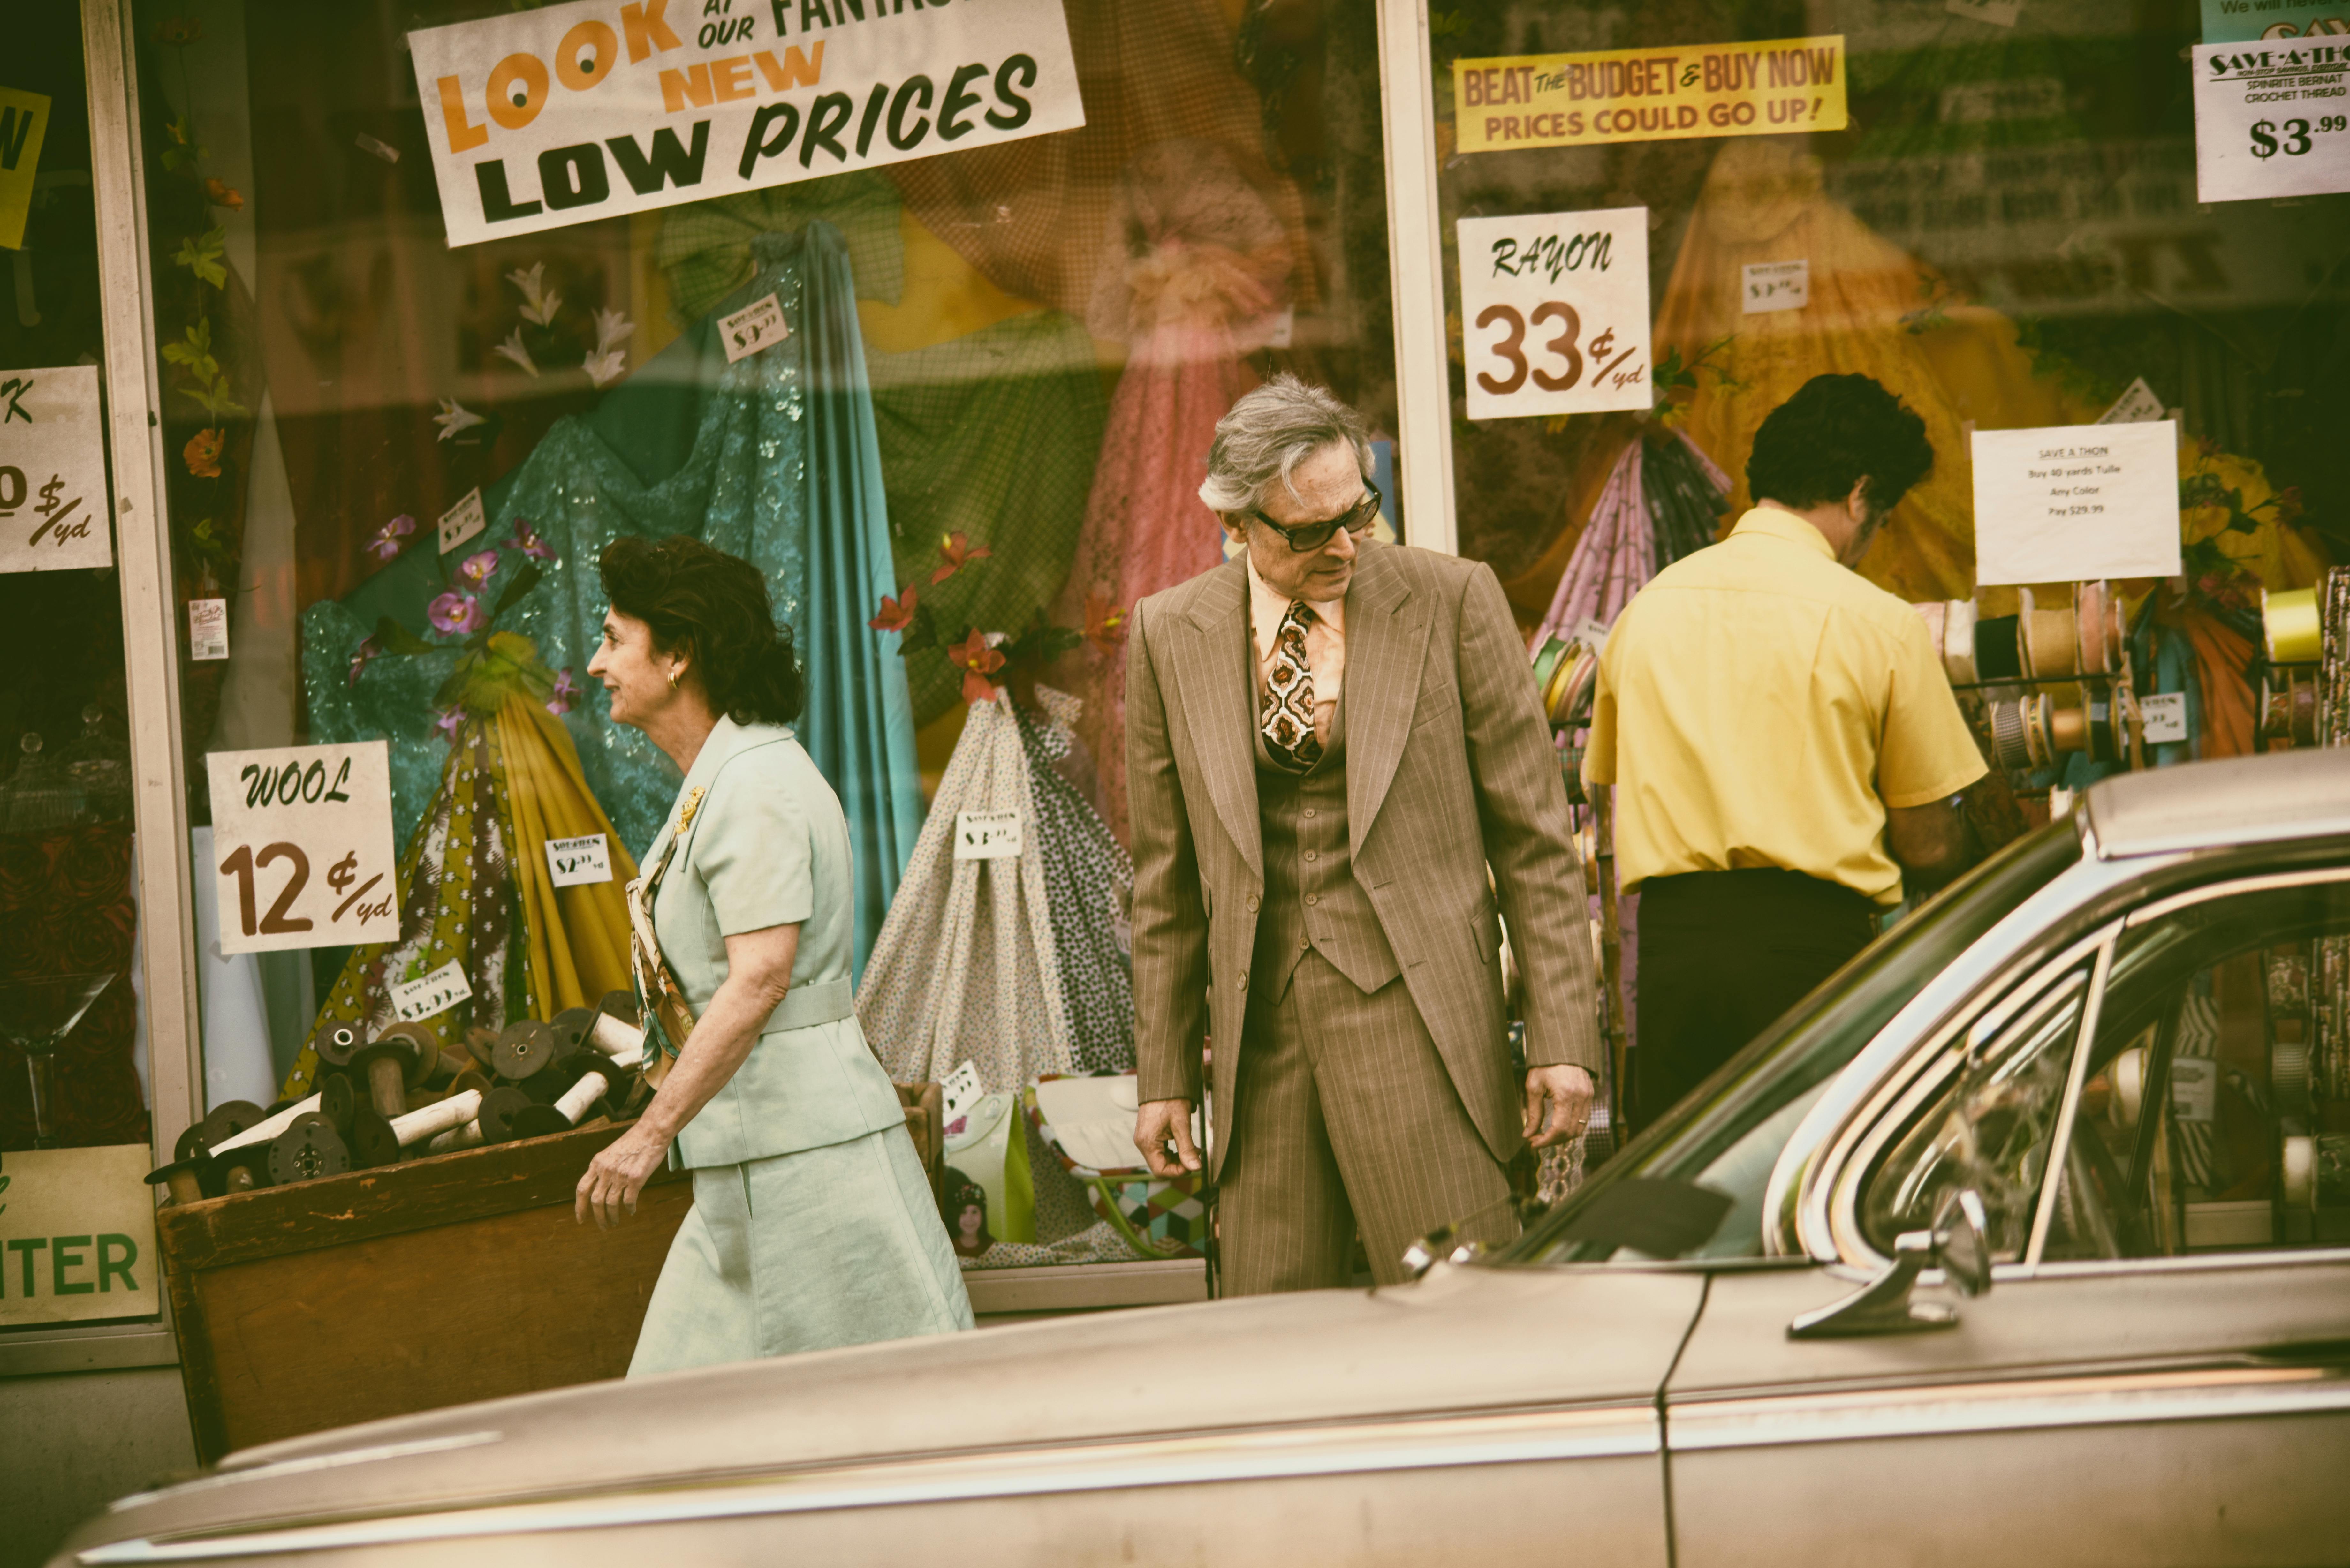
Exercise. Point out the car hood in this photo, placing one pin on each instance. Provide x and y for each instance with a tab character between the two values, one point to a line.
1463	1339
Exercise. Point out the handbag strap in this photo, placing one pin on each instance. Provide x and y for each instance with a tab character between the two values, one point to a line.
660	999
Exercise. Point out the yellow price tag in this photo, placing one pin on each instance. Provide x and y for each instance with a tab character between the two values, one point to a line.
24	121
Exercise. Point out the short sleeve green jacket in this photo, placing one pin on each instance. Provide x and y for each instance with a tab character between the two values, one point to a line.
767	845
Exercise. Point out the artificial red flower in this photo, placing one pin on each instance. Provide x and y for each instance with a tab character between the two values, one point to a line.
1104	622
2288	503
203	453
959	552
220	193
897	614
977	658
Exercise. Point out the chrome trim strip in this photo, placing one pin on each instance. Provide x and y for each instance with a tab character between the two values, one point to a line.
2211	890
2040	1404
2060	1142
1360	1448
304	1465
2271	1257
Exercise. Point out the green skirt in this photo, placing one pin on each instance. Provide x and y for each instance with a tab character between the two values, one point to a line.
831	1246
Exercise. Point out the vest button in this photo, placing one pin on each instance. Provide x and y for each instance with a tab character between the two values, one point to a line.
1242	983
1251	903
1309	811
1311	855
1312	898
1305	942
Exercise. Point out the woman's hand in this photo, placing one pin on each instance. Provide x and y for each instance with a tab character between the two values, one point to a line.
616	1175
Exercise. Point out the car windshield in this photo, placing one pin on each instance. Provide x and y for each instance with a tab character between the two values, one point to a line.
1727	1136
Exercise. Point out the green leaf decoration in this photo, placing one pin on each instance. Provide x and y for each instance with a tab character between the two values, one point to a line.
201	254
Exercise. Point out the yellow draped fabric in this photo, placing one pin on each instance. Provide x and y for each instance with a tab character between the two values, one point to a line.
577	938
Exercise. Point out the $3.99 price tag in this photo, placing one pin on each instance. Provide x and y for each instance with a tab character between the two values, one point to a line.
756	326
1555	312
2271	119
302	850
986	835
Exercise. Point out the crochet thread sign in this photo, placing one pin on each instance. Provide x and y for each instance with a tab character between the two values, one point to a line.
302	847
1554	313
1664	94
2272	121
545	118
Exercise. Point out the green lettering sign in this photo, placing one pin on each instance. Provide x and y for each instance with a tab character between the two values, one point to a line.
65	1252
28	1245
109	1265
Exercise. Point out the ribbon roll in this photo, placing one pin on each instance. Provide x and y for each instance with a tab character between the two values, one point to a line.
1997	657
1959	620
2290	626
2051	640
2289	1077
2130	1086
2297	1173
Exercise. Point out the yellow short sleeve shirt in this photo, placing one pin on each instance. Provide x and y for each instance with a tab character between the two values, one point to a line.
1758	705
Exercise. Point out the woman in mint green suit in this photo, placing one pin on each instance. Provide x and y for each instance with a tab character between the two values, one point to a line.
813	1223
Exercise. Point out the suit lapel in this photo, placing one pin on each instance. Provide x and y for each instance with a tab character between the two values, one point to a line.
1387	641
1215	671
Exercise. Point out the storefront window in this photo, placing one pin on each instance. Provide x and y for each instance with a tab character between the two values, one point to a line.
449	300
73	1067
2020	219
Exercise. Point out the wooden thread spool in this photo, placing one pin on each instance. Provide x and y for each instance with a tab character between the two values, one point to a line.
2098	618
418	1126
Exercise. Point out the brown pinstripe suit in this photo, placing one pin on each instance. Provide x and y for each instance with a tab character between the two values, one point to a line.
1395	1108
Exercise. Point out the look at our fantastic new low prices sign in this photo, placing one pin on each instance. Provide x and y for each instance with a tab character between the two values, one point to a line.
1664	94
575	112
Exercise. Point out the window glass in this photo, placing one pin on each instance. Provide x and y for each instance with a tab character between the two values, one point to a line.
71	1032
448	301
2216	1114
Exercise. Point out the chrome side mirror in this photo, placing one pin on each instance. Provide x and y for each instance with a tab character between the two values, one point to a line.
1958	1245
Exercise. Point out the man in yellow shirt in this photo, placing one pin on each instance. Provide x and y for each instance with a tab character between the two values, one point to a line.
1784	743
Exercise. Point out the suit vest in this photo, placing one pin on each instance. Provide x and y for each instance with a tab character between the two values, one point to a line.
1311	897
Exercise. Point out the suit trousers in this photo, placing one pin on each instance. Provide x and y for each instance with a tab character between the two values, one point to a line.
1344	1116
1723	955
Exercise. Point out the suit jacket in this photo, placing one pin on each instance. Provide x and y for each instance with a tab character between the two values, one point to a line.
1449	770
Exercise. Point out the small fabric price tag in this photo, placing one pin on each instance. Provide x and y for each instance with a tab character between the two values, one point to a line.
418	999
207	629
576	862
2195	1088
756	326
1766	286
462	521
986	835
2164	714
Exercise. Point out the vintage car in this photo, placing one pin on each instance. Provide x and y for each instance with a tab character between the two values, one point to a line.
2025	1239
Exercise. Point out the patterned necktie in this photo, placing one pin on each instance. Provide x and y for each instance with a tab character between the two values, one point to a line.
1287	720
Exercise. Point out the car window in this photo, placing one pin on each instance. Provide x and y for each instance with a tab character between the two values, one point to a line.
2215	1115
1727	1135
1990	1127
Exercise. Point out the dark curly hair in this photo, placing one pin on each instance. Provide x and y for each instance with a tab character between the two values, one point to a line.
715	606
1834	432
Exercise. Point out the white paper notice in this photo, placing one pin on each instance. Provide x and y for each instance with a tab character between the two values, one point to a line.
2163	716
418	999
2068	502
576	862
52	472
986	835
1555	312
207	629
567	114
462	521
2194	1088
1765	287
2138	406
756	326
302	847
2271	119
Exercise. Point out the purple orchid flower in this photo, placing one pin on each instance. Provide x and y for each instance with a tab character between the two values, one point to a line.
475	569
447	722
386	542
370	648
453	612
565	693
527	541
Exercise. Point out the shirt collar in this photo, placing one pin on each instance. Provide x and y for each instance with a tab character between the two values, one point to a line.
1266	607
1772	522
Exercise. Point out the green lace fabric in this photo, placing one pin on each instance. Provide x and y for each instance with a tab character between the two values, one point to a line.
773	458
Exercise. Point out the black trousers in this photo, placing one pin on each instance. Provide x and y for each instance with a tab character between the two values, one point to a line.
1723	955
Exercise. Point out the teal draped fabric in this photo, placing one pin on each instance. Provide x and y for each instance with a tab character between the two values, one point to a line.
774	458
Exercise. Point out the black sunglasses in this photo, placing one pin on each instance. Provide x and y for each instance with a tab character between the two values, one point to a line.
1305	538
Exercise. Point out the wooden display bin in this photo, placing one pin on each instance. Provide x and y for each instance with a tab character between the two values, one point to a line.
406	1287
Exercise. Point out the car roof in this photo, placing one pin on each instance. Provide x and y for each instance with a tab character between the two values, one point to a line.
2301	793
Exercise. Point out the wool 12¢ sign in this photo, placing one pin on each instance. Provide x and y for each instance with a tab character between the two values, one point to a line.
1555	312
302	852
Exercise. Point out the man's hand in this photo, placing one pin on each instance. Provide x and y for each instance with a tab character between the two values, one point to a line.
1158	1122
1569	1092
616	1175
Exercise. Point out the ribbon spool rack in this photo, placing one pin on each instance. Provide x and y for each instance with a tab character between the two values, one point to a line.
2305	690
2077	651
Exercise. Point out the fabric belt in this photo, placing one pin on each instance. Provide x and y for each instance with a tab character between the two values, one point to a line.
806	1007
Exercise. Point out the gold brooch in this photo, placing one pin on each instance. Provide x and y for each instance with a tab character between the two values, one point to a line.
692	804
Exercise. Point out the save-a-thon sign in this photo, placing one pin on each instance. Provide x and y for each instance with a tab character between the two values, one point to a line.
574	112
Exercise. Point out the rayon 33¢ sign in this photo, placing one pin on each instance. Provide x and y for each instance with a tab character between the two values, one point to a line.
1554	313
302	853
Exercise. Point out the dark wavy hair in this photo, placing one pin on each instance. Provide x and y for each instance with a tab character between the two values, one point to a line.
715	606
1834	432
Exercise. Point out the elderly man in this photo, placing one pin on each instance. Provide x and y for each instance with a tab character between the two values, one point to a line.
1329	742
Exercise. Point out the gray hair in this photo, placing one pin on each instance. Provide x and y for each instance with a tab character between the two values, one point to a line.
1266	434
